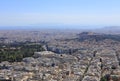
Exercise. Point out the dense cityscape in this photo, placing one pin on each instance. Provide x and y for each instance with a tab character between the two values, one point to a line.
59	56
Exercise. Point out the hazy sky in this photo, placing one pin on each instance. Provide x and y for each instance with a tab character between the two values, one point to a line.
68	12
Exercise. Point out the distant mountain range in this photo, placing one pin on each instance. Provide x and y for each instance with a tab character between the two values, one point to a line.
108	30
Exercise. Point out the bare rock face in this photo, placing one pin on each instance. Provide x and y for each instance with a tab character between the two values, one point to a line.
29	60
43	53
